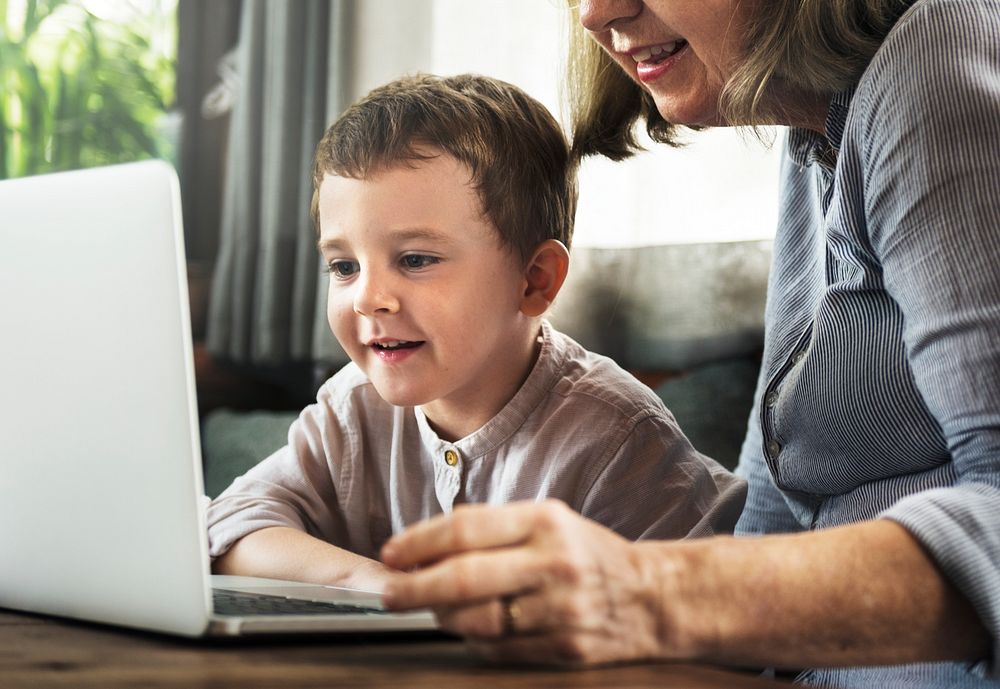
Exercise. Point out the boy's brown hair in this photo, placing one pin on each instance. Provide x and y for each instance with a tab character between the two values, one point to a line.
516	151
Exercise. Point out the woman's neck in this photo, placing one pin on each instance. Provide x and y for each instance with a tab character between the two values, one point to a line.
802	110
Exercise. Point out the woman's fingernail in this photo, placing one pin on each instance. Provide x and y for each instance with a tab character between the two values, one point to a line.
388	552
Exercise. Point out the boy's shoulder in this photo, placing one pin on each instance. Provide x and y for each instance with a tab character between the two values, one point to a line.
599	379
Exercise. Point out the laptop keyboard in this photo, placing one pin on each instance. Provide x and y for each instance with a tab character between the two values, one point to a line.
240	603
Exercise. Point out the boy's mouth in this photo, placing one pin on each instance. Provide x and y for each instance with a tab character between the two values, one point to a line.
392	345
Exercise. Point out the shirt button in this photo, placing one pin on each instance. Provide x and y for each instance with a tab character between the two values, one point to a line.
771	399
450	457
773	449
799	356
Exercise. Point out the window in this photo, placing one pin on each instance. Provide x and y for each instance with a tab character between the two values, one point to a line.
85	83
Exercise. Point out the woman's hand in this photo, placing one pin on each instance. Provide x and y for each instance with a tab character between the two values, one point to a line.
538	583
531	582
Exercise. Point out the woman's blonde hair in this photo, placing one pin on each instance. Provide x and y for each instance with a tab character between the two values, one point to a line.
817	47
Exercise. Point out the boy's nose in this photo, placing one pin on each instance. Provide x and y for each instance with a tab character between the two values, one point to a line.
374	296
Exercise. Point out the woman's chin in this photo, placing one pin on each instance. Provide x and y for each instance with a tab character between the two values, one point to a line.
688	112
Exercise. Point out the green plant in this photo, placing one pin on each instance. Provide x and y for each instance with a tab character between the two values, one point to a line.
84	82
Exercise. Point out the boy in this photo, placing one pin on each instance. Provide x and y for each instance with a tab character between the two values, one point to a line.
445	208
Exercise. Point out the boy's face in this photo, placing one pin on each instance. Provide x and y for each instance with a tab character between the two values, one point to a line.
422	295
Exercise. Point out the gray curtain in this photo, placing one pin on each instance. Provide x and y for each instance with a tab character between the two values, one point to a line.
206	32
267	297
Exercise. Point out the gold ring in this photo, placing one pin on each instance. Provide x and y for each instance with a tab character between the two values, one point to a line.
511	611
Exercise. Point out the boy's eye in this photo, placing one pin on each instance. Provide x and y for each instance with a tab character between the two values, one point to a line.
342	269
415	261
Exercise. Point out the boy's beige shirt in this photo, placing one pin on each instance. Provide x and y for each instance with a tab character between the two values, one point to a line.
357	470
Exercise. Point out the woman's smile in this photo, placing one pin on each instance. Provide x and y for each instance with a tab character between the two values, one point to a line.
654	61
680	51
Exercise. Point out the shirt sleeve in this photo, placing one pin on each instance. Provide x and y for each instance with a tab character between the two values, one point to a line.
932	171
295	487
657	486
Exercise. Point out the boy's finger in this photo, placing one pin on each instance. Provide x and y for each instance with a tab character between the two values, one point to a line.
473	527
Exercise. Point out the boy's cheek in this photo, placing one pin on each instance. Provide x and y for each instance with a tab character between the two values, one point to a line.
340	317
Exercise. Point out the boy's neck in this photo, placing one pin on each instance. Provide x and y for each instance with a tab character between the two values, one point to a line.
455	418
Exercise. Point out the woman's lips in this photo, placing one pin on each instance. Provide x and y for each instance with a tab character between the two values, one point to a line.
655	53
656	61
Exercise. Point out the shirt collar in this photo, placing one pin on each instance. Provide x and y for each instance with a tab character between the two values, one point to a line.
806	147
546	372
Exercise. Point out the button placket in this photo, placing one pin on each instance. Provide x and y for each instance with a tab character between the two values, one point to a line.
773	450
771	447
448	473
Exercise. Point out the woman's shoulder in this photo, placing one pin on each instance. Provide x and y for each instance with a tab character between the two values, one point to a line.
940	16
936	37
931	77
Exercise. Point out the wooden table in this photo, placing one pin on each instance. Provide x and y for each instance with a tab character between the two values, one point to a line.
40	652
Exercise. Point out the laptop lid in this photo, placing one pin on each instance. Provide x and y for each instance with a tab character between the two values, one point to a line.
101	512
100	469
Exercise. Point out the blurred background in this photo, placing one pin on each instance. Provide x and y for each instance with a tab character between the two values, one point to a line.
236	93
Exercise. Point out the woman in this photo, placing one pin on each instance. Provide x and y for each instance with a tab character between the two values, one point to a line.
873	451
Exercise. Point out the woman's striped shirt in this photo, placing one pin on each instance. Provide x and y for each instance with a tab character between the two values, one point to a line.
879	394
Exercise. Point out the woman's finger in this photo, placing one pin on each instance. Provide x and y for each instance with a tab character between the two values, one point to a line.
470	527
570	645
469	578
481	620
529	613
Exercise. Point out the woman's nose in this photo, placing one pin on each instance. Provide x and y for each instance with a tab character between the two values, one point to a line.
374	296
600	15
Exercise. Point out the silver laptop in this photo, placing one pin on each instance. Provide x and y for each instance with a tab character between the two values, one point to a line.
101	509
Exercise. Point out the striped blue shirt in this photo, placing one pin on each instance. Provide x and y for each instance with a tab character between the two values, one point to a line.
879	393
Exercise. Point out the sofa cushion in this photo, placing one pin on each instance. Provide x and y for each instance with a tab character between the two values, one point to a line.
234	441
712	405
670	307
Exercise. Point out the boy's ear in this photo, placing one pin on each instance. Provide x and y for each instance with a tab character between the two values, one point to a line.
544	276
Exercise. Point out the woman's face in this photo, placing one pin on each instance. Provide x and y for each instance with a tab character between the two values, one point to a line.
680	51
